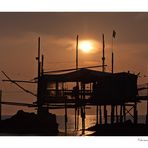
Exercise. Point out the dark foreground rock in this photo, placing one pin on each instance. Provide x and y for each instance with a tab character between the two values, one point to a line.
120	129
24	123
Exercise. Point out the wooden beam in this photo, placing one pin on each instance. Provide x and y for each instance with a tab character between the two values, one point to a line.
0	105
71	69
19	81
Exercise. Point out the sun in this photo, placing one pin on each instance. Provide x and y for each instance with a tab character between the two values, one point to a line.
86	46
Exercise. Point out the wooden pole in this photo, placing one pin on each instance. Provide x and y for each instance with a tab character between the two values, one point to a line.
38	84
77	54
83	119
97	114
103	56
147	106
135	113
117	113
103	70
112	114
121	116
42	70
78	112
77	84
83	107
112	62
112	107
124	113
100	115
105	114
38	58
113	36
75	117
0	105
66	119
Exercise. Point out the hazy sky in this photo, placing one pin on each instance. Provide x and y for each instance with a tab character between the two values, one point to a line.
18	44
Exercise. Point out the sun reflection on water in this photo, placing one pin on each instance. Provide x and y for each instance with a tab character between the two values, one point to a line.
89	121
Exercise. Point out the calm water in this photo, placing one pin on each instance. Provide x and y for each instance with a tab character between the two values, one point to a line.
89	121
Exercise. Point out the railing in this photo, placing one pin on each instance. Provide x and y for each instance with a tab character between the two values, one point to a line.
143	89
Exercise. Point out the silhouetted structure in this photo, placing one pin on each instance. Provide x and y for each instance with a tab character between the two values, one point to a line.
103	88
83	87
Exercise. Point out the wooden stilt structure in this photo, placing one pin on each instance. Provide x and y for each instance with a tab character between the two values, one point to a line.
79	101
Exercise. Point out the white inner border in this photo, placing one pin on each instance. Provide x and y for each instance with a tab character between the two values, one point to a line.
74	5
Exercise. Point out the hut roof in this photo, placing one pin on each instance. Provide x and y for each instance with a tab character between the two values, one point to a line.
84	75
81	75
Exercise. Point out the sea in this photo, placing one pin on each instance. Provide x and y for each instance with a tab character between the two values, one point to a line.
90	120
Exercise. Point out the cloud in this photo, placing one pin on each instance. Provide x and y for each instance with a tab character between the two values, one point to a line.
130	27
53	40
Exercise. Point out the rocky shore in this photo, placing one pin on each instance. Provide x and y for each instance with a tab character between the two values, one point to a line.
24	123
119	129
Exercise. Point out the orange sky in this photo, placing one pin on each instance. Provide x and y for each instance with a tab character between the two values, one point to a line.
18	45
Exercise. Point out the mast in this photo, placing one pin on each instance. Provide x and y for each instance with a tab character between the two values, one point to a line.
77	87
0	105
42	65
113	37
112	58
103	57
103	70
38	84
77	52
